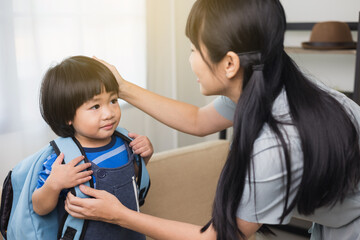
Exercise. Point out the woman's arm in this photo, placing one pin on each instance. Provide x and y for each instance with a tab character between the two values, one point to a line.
106	207
181	116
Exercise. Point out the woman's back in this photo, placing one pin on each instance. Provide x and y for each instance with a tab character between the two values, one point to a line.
264	198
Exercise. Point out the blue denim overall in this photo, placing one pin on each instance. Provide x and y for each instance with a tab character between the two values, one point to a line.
120	182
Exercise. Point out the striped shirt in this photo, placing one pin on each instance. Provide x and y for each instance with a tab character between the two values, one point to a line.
112	155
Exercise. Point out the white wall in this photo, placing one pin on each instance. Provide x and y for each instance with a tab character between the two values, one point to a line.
169	71
187	88
321	10
168	74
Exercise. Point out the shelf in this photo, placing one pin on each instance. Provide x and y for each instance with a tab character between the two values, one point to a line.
313	51
307	26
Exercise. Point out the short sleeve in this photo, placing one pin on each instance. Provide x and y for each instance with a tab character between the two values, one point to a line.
45	172
264	195
225	107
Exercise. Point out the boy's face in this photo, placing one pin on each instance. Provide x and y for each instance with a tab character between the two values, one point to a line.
96	120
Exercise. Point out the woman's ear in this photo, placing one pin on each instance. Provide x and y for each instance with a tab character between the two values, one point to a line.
231	64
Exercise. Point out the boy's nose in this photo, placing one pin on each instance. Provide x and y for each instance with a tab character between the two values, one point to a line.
108	113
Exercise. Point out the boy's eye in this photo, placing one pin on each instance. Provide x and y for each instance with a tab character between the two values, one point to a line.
114	101
97	106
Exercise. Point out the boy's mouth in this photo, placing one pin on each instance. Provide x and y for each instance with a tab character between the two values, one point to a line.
108	126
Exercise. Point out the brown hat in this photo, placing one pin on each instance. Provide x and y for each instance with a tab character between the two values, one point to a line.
329	36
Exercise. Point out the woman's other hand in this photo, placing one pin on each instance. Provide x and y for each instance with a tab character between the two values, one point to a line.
103	207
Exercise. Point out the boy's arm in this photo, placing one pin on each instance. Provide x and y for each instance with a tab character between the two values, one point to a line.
45	199
62	176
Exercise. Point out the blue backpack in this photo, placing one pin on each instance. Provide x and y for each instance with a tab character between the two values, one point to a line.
18	219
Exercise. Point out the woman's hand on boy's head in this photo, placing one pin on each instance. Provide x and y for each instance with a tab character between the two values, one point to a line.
113	69
142	146
68	175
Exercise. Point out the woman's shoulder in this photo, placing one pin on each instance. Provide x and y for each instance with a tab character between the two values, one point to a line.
225	107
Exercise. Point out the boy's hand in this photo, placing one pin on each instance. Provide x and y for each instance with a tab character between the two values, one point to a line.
68	175
142	146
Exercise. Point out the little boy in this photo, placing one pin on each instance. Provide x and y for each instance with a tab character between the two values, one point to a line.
79	100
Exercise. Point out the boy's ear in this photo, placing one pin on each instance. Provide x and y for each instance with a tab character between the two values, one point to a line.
69	123
231	64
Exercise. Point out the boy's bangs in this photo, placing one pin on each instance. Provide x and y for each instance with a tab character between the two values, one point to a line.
92	78
108	80
98	82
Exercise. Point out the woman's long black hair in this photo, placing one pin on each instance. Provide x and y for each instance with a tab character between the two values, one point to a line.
329	139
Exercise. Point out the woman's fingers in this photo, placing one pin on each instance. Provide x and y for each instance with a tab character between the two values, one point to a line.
71	207
75	203
108	65
97	208
91	191
113	69
102	61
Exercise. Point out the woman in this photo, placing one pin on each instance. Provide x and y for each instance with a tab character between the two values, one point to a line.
295	147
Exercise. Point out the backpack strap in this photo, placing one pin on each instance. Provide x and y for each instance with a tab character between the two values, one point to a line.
6	204
71	228
74	228
143	179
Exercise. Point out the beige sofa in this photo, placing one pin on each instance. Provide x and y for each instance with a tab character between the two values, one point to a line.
183	182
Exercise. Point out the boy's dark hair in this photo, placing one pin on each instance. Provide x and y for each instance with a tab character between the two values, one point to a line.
68	85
